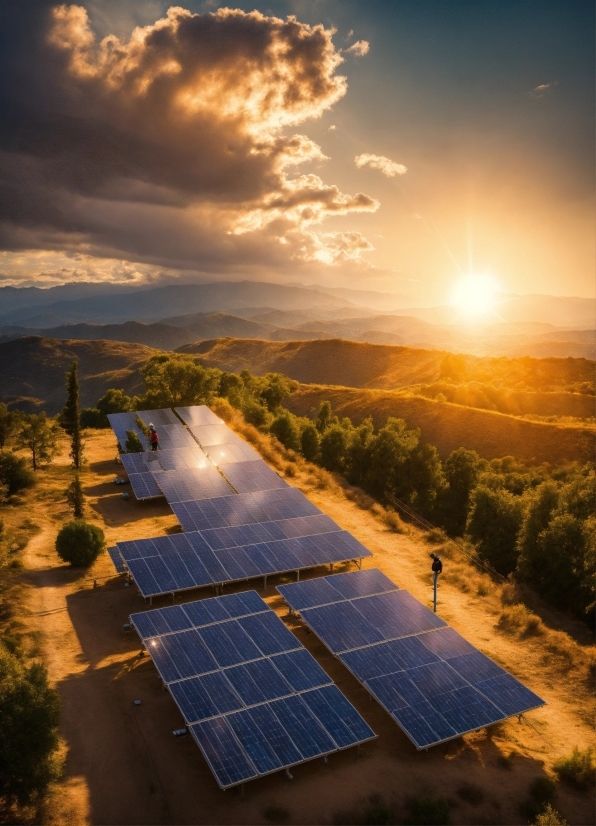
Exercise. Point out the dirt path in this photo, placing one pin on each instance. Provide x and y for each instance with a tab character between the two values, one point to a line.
123	766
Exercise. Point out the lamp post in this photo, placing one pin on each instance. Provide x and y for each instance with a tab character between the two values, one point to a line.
437	568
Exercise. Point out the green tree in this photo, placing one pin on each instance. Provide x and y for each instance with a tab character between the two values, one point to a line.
114	400
423	478
8	423
75	498
255	414
14	473
285	428
79	542
38	434
70	418
177	381
309	442
133	443
389	450
495	521
333	448
461	469
29	713
276	388
324	417
358	456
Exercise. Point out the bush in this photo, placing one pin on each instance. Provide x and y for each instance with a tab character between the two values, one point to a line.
14	473
542	791
92	417
577	768
550	817
133	443
429	811
309	442
79	543
285	429
30	713
255	414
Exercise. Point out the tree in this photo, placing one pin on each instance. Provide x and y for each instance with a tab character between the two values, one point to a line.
8	423
75	498
422	479
30	713
276	388
358	457
38	434
324	417
334	448
70	418
177	381
285	428
79	542
133	443
389	450
14	473
309	442
495	521
255	414
114	400
461	470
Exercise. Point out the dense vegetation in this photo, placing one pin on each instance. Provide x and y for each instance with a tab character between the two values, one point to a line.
533	523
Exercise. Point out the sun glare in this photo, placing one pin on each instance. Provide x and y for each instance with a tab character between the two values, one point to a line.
475	295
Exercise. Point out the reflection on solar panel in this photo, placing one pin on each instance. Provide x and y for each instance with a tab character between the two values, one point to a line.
231	453
435	685
197	415
175	436
192	485
145	485
220	538
158	417
253	697
210	435
117	560
179	562
251	476
244	509
120	423
181	458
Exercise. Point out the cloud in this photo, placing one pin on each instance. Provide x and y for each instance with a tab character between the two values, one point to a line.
386	166
542	90
359	48
176	147
332	128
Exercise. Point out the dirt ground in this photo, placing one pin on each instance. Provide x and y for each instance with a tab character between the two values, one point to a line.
122	764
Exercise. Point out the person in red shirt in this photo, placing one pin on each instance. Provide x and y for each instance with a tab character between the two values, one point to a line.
153	438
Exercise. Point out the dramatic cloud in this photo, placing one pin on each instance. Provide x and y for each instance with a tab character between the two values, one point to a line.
359	48
171	148
387	167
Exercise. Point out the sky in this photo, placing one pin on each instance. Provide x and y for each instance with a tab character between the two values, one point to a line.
405	146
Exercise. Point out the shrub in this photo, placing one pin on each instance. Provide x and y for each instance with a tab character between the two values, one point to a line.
550	817
255	414
428	811
577	768
542	791
286	430
309	442
92	417
133	443
30	712
79	543
14	473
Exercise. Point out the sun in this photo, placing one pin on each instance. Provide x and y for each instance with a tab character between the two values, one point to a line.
475	295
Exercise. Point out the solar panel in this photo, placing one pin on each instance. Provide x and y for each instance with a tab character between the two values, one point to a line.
434	683
253	697
175	436
210	435
244	509
139	462
145	485
192	485
231	453
117	560
158	417
121	423
252	476
197	415
232	537
181	458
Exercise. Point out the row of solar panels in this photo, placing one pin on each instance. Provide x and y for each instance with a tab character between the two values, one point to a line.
265	528
256	701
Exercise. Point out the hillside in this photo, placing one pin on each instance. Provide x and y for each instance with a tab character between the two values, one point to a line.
353	364
32	370
450	426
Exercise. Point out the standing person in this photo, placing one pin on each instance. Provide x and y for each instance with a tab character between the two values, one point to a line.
153	438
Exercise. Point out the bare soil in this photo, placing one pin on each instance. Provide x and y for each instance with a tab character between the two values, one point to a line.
122	764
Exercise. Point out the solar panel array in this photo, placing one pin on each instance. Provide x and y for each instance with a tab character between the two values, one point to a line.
252	696
435	685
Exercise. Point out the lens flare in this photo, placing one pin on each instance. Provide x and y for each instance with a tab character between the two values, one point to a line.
475	295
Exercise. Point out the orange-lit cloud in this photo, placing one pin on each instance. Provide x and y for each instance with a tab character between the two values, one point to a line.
380	162
359	48
178	147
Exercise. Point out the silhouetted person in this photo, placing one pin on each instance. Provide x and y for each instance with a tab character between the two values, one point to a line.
153	437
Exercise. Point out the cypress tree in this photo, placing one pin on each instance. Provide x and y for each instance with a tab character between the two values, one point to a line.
75	498
71	416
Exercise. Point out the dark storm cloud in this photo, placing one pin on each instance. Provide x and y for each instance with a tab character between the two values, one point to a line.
169	147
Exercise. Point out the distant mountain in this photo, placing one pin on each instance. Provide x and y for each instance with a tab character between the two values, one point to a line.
33	370
382	302
158	303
